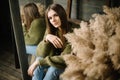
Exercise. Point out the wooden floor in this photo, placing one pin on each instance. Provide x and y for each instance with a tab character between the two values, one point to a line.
8	71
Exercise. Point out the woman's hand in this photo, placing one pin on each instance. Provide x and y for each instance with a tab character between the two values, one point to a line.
56	41
32	67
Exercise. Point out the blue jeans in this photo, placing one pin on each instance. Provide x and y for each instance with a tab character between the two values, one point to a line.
52	73
31	49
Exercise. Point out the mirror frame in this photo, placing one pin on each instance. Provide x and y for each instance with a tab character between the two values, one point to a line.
19	38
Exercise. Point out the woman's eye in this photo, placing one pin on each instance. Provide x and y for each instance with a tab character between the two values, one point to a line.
49	18
55	15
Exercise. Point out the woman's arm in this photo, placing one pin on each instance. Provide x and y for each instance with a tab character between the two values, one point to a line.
32	67
56	41
56	61
43	49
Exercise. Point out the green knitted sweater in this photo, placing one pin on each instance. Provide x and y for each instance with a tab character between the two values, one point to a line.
52	56
35	33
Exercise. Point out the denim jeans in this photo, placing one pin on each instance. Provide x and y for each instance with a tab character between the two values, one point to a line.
31	49
52	73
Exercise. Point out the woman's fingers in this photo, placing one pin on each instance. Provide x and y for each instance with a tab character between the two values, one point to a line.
56	41
30	71
60	42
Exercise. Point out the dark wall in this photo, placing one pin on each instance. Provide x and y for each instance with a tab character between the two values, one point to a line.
5	26
83	9
115	3
7	40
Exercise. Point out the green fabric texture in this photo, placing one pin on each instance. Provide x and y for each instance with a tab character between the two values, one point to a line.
35	33
44	49
47	51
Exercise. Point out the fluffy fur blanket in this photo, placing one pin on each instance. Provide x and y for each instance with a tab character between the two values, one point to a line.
95	48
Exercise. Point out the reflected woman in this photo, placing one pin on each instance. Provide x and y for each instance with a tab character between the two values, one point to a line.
34	27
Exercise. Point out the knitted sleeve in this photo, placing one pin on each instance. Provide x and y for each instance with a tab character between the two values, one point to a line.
35	33
56	61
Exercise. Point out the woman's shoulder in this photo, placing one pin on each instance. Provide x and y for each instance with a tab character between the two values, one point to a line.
39	21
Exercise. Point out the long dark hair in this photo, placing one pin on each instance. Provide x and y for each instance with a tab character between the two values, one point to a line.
30	13
63	17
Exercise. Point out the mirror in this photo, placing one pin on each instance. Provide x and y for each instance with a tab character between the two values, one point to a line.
19	40
15	10
33	25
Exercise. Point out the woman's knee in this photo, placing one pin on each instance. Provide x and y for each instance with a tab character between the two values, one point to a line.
39	73
53	73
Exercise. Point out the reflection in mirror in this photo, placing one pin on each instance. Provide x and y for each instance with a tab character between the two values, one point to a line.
33	25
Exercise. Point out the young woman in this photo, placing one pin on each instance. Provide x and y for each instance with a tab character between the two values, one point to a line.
34	27
53	47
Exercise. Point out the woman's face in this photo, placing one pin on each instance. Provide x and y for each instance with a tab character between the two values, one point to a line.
54	18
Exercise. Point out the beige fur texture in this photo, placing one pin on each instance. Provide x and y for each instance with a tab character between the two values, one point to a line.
96	48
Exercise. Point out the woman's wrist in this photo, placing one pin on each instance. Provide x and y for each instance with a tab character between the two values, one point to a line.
36	62
47	37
